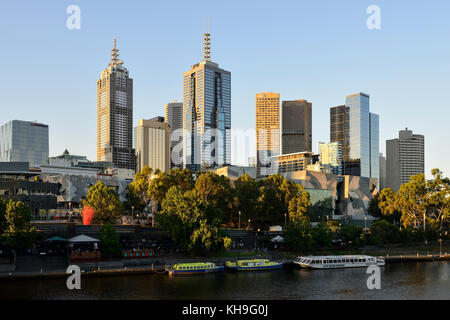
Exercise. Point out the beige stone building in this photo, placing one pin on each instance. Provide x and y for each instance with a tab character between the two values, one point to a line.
153	144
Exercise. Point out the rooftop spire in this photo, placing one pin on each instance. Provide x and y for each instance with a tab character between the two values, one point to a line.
207	45
115	56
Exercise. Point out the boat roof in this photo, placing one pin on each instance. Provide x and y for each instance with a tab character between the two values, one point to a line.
336	257
193	264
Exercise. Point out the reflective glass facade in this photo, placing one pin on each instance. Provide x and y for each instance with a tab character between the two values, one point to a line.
23	141
363	138
206	116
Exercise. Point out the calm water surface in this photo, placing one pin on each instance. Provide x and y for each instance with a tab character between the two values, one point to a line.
398	281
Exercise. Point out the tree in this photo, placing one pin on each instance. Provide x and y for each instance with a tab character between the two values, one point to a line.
384	205
322	235
438	199
3	222
276	194
216	189
110	240
247	193
138	191
162	182
352	233
411	201
105	203
19	233
299	204
385	232
298	234
192	222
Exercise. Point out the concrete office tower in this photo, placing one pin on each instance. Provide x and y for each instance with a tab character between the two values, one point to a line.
206	114
115	115
405	157
174	115
296	126
267	130
331	157
24	141
358	130
174	118
382	171
153	144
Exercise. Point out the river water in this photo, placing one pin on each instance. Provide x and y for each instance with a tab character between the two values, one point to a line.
429	280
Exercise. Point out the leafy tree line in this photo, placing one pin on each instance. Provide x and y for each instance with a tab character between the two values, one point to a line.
16	231
194	207
421	207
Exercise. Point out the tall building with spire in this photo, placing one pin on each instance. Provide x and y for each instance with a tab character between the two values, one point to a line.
115	115
206	114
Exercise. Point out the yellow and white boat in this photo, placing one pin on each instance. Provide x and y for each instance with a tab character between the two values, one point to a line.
253	265
194	268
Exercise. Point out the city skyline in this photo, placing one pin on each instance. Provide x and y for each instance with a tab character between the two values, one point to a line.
395	104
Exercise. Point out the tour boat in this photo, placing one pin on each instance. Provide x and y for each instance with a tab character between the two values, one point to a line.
194	268
252	265
334	262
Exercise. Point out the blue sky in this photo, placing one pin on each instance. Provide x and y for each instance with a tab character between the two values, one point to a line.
315	50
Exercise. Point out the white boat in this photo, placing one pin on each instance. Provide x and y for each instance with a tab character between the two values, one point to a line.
335	262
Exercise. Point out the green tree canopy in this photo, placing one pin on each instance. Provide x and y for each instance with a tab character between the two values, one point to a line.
192	222
276	194
105	202
216	189
299	234
110	241
247	193
18	233
352	233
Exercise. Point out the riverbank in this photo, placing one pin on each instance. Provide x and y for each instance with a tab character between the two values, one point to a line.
417	252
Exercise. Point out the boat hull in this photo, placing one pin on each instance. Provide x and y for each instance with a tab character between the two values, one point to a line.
200	271
337	266
255	268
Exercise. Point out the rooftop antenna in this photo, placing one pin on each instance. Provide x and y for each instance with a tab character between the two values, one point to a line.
115	55
206	45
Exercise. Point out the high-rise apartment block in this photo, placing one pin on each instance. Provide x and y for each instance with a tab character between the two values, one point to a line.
296	126
358	130
24	141
115	115
267	130
206	114
153	144
405	157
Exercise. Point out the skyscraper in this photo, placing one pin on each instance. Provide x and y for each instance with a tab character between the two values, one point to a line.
405	157
174	115
340	128
206	114
267	130
174	118
296	126
24	141
357	129
153	144
115	115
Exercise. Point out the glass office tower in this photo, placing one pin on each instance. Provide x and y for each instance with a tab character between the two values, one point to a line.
363	138
24	141
206	114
